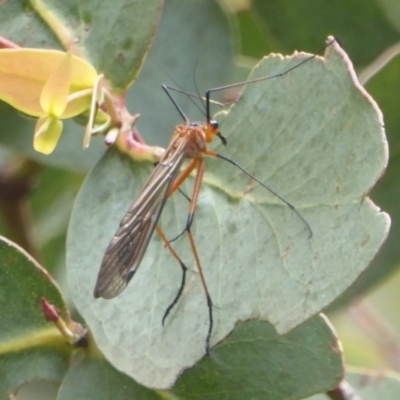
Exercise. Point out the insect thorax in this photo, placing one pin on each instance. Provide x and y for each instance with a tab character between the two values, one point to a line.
194	137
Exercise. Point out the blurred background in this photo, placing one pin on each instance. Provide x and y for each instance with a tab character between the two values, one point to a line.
43	190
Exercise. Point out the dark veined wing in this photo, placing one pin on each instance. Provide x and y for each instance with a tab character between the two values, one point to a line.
127	248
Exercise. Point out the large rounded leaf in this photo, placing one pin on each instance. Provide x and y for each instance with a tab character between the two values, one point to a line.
316	138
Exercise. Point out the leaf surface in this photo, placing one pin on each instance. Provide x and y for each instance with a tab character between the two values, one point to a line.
30	347
316	138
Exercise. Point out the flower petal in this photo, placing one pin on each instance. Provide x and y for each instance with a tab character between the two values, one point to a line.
53	98
24	73
47	133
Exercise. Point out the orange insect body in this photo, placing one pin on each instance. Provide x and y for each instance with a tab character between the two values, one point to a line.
127	248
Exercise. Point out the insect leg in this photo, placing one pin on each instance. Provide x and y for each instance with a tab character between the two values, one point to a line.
199	162
184	269
178	182
196	190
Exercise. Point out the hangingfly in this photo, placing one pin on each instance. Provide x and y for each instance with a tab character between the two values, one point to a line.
128	246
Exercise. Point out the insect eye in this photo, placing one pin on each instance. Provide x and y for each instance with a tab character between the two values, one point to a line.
214	124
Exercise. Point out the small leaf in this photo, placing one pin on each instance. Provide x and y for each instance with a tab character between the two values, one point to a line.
30	347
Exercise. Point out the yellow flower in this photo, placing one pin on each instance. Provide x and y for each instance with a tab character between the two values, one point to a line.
48	84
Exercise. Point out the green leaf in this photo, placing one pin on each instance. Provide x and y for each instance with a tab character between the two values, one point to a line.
371	385
95	378
23	26
285	25
118	34
316	138
254	362
30	347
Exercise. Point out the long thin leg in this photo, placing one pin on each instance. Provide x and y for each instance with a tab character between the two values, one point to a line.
196	189
195	195
176	185
182	177
184	269
178	182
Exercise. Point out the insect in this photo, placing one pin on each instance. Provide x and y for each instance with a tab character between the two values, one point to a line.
128	246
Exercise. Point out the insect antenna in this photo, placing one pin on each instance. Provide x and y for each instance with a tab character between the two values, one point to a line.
263	78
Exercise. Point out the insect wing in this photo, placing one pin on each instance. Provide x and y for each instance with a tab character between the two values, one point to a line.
127	248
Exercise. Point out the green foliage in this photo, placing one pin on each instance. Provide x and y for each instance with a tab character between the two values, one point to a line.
30	348
255	239
314	136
